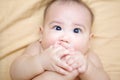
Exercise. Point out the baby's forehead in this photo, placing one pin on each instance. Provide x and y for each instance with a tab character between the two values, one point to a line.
54	8
68	3
65	3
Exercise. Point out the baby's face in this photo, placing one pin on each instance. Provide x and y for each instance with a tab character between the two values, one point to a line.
67	25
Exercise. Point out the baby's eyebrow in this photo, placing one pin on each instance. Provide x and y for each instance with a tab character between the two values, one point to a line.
80	25
58	22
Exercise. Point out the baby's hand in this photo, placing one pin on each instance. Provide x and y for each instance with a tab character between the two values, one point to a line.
51	59
77	61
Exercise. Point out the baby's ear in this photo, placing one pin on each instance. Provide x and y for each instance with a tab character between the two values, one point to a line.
41	29
41	33
91	35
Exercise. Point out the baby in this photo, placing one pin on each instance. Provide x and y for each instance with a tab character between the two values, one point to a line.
63	51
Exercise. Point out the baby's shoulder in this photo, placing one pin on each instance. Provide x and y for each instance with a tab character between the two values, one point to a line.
33	49
94	58
92	55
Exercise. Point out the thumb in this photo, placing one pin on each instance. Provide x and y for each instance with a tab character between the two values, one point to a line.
72	75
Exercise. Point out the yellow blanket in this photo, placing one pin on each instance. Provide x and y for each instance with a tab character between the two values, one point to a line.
19	26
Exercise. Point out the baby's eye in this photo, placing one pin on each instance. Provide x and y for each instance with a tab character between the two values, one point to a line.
57	28
77	30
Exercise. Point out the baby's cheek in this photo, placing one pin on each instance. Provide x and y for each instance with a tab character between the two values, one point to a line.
81	47
51	42
46	44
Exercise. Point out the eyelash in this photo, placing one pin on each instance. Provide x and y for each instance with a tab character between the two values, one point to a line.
75	30
58	28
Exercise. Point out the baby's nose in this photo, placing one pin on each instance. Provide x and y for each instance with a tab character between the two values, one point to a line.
64	38
65	43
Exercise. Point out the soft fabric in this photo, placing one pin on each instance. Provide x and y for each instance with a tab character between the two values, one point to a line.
19	26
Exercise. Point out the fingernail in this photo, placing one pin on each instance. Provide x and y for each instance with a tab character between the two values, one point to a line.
70	69
66	51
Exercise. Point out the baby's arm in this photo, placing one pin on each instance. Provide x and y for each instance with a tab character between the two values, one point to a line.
95	69
50	75
28	64
34	62
88	66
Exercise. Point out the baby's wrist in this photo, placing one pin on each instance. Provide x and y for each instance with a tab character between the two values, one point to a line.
88	70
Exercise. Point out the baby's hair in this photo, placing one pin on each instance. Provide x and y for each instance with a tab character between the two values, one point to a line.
77	1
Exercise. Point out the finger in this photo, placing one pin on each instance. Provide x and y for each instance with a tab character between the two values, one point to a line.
56	44
82	69
66	58
75	66
71	60
61	70
67	46
63	53
63	65
60	52
58	48
72	75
